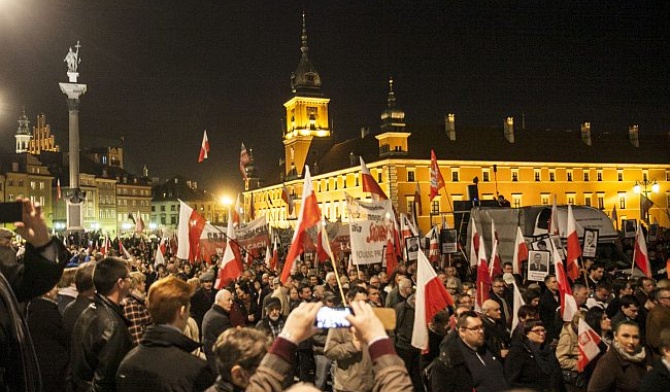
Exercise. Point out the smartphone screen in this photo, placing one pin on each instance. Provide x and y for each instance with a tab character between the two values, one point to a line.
332	318
11	212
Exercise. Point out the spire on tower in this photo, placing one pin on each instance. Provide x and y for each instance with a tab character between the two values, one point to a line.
391	98
304	48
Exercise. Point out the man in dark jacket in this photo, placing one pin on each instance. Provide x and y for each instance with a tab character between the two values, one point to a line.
203	299
100	338
549	303
403	340
83	280
22	279
658	378
216	320
465	364
163	360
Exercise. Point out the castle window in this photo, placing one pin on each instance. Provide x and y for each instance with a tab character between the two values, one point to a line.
537	173
410	176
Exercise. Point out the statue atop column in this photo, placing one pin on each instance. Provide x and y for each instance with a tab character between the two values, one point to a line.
72	60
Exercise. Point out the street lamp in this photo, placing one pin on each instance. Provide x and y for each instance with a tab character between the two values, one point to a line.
640	188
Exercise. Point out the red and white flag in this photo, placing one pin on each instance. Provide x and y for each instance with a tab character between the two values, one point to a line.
159	259
431	297
568	303
191	225
275	257
163	245
495	266
520	251
268	257
124	251
517	303
483	277
588	342
204	148
308	216
229	266
553	220
436	179
369	183
237	219
104	249
139	223
58	191
244	161
323	251
640	254
288	199
389	252
474	243
574	248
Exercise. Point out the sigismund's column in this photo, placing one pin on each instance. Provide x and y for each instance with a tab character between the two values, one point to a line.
73	91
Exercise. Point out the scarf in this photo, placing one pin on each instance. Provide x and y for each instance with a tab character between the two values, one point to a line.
638	357
544	358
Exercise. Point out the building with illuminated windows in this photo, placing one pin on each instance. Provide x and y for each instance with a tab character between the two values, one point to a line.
598	168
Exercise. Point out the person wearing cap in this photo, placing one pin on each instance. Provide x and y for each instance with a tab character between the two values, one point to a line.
273	322
203	299
22	278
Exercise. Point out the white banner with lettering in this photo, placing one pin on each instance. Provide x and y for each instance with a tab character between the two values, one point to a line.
368	226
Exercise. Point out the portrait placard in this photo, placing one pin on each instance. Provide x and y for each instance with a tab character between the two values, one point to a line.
538	265
590	247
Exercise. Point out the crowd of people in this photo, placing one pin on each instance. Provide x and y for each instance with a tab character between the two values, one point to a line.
110	324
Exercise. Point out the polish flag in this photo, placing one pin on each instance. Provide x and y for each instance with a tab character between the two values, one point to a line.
520	251
236	212
436	179
105	246
244	161
417	200
474	243
308	216
123	251
275	257
483	277
204	148
58	191
434	246
163	245
495	268
323	251
229	266
588	342
568	303
288	199
518	302
574	248
553	221
268	257
159	259
640	254
370	185
431	297
191	225
139	223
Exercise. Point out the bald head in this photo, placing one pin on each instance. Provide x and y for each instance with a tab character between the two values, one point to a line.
492	309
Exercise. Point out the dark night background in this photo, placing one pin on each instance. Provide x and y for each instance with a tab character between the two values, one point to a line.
159	72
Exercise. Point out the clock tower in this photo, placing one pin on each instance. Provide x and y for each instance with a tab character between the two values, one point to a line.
306	114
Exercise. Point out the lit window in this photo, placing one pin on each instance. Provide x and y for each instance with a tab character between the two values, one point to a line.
622	200
435	207
570	198
544	199
516	200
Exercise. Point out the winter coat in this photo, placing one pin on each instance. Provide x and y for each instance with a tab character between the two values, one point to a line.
352	366
163	362
99	342
614	373
657	380
50	340
522	369
216	321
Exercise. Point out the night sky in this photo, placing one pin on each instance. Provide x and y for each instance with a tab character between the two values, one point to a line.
159	72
